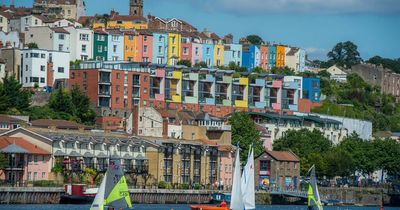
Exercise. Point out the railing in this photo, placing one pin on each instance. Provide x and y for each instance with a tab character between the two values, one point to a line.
15	165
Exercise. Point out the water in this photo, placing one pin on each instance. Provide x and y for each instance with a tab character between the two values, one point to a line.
174	207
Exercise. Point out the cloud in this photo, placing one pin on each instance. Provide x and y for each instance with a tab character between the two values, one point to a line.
251	7
316	53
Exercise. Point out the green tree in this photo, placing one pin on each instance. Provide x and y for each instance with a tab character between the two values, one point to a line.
13	96
308	145
185	63
338	163
61	101
387	154
361	153
393	64
201	64
33	45
345	54
81	104
285	71
244	132
258	70
3	161
254	39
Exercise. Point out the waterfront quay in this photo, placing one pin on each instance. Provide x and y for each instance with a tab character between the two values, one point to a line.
348	196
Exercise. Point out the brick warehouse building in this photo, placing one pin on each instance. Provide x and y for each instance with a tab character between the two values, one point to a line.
115	88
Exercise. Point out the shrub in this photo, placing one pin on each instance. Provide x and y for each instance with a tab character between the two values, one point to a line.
45	183
163	185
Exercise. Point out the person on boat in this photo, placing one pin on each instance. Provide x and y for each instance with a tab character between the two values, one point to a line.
223	204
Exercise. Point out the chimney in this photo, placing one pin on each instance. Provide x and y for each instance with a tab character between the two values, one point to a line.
1	44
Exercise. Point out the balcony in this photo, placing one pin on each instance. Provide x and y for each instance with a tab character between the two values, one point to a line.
16	165
218	127
292	85
104	93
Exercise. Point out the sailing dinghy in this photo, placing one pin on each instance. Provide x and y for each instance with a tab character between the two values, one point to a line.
314	201
113	191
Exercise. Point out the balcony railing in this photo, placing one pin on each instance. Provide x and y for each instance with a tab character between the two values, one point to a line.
15	165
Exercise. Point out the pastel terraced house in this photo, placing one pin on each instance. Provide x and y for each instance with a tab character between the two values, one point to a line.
100	45
233	53
280	56
115	45
174	48
144	52
130	42
160	48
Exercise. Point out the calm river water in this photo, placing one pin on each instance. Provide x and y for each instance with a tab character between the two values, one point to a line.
174	207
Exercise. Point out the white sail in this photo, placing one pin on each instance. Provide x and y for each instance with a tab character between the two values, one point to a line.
98	203
248	192
236	195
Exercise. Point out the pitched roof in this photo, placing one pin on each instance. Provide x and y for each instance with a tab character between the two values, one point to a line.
60	30
292	51
127	18
65	2
22	144
8	119
62	124
6	15
283	156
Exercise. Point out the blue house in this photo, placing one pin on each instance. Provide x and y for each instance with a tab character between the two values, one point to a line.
208	54
160	48
251	57
271	56
311	89
233	53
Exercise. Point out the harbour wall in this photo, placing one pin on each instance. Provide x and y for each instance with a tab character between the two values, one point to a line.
350	196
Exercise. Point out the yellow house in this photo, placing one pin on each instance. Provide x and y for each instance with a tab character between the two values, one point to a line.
122	22
130	41
219	54
244	85
174	48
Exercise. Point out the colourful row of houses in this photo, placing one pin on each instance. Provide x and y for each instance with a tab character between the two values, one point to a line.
116	87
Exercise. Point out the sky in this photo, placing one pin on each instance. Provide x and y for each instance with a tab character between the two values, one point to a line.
315	25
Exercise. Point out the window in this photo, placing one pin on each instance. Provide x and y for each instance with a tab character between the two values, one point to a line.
60	69
173	40
208	50
160	38
159	49
197	51
100	48
35	158
115	38
34	55
118	75
145	48
145	38
1	19
30	176
117	100
34	175
36	22
119	21
173	50
84	48
34	79
100	37
42	68
114	48
118	88
84	75
69	12
130	37
218	51
84	37
185	51
61	36
43	55
60	47
264	165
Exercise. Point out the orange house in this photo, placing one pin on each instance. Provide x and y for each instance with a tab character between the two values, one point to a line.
130	44
280	56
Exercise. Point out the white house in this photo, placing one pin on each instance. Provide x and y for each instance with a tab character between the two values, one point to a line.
5	21
2	69
10	39
43	67
337	74
31	21
115	45
64	23
295	58
81	42
57	39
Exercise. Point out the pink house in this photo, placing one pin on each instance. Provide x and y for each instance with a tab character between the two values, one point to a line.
26	161
226	166
144	49
186	51
197	53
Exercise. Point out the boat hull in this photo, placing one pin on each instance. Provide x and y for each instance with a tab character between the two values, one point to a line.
206	207
73	199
